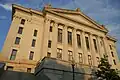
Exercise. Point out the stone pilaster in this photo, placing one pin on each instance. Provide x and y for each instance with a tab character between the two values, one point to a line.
65	47
75	53
54	40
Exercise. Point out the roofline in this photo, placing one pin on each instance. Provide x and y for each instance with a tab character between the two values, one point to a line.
29	10
74	20
77	12
111	38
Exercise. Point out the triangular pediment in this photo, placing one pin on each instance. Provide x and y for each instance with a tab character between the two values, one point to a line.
77	16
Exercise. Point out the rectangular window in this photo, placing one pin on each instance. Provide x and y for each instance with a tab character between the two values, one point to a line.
22	21
98	61
35	33
114	62
10	68
78	40
20	30
59	53
29	70
69	37
95	45
60	35
89	60
87	43
17	40
80	58
48	54
49	43
33	43
70	56
112	54
31	55
50	29
110	47
13	54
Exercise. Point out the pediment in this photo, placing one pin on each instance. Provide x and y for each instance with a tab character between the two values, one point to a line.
79	17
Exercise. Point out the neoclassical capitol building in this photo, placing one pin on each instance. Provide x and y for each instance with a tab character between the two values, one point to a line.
49	41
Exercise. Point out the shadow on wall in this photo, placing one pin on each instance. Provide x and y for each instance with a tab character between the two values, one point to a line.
54	69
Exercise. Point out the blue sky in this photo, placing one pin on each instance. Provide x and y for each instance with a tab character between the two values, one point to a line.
106	12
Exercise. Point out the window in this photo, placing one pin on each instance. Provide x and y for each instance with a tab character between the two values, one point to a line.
80	57
101	43
10	68
20	30
114	62
33	43
13	54
29	70
87	43
17	40
70	56
48	54
49	44
59	35
70	38
95	45
31	55
50	29
78	40
23	21
112	54
89	60
110	47
59	53
35	33
97	60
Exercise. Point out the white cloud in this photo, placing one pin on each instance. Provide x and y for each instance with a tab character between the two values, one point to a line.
6	6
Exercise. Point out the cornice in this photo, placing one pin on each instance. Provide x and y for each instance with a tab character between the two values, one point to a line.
59	10
75	20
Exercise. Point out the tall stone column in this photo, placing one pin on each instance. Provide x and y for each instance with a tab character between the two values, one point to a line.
98	46
85	54
65	44
106	47
92	50
45	38
75	45
54	40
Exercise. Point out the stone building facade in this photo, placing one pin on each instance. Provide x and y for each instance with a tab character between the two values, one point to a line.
58	33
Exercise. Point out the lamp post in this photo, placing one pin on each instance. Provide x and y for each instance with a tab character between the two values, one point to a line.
73	68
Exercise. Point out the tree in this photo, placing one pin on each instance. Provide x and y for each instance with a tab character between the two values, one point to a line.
104	71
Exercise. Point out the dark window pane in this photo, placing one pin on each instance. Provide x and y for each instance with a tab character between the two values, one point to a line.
48	54
35	33
29	70
59	53
50	29
87	43
20	30
95	45
114	62
80	57
110	47
49	44
112	54
89	60
33	42
78	40
70	38
10	68
13	54
17	40
70	56
59	35
31	55
23	21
